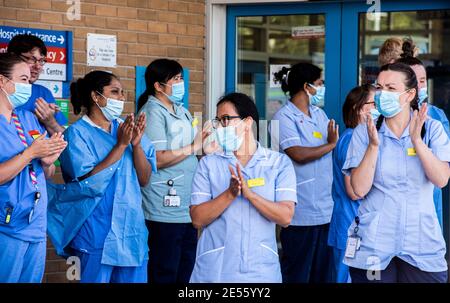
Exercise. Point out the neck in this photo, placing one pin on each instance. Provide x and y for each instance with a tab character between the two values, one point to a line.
247	149
301	101
400	122
165	101
97	117
5	107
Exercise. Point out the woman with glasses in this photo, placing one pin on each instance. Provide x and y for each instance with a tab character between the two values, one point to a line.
174	133
97	215
26	161
33	51
358	105
238	197
307	136
393	166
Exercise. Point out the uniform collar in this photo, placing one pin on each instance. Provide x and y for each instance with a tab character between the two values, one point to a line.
384	129
259	155
296	111
177	108
88	120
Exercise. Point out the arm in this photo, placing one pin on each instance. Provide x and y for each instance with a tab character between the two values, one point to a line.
437	171
362	176
303	155
205	213
280	212
349	189
12	167
49	171
46	115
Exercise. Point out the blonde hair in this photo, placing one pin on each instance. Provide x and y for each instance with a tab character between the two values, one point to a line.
391	50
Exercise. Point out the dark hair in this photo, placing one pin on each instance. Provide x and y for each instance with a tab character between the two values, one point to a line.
80	91
244	105
294	78
354	102
160	70
407	57
25	43
410	83
7	63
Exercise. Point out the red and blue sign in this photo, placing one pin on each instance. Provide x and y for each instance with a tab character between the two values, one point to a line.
59	50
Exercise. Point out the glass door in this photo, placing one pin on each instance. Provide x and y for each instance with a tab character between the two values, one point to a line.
261	39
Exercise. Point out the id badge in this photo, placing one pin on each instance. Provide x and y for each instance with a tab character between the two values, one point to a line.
172	201
353	244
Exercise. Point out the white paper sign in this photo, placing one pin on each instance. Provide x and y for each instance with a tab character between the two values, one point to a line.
308	32
101	50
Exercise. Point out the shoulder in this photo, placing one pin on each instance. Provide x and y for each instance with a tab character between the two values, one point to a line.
283	112
276	159
77	128
41	90
433	125
437	113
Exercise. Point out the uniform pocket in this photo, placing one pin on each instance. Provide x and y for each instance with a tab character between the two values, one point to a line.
431	240
268	254
208	266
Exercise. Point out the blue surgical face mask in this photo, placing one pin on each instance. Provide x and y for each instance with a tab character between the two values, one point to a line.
318	97
21	95
374	113
113	108
227	138
177	92
388	103
423	94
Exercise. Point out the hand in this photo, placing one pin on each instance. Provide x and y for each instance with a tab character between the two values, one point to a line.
372	131
49	160
416	124
333	132
42	147
138	130
235	184
201	136
45	111
125	132
246	191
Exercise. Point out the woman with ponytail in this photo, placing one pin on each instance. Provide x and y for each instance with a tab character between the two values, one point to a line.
434	112
393	166
97	215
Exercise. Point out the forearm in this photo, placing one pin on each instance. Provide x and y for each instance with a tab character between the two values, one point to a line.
12	167
143	168
114	156
280	212
362	176
437	171
167	158
207	212
303	155
53	127
349	189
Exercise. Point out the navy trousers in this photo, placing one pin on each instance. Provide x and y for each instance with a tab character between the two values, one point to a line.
172	249
306	256
398	271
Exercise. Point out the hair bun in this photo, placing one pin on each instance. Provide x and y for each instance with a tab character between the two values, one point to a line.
409	49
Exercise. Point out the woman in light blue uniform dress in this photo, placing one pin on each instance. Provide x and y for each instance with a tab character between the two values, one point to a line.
359	103
396	236
238	197
97	215
434	112
307	136
26	161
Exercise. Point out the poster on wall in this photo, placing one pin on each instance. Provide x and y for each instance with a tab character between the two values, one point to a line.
101	50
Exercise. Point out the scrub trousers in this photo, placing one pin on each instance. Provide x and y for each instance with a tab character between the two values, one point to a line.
172	250
398	271
21	261
93	271
306	257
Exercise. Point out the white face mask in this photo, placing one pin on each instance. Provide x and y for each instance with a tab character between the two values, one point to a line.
113	108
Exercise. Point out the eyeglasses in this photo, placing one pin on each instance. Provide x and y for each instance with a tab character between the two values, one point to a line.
224	121
371	102
37	197
34	60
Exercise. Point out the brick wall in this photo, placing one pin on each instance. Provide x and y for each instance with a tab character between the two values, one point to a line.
145	30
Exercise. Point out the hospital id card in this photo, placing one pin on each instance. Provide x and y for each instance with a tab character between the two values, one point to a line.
172	201
353	244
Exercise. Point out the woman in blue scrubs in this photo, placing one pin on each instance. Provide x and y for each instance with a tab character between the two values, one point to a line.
434	112
393	168
26	160
307	136
358	105
98	214
238	197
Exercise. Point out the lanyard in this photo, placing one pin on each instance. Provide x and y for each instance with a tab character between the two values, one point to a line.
32	173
